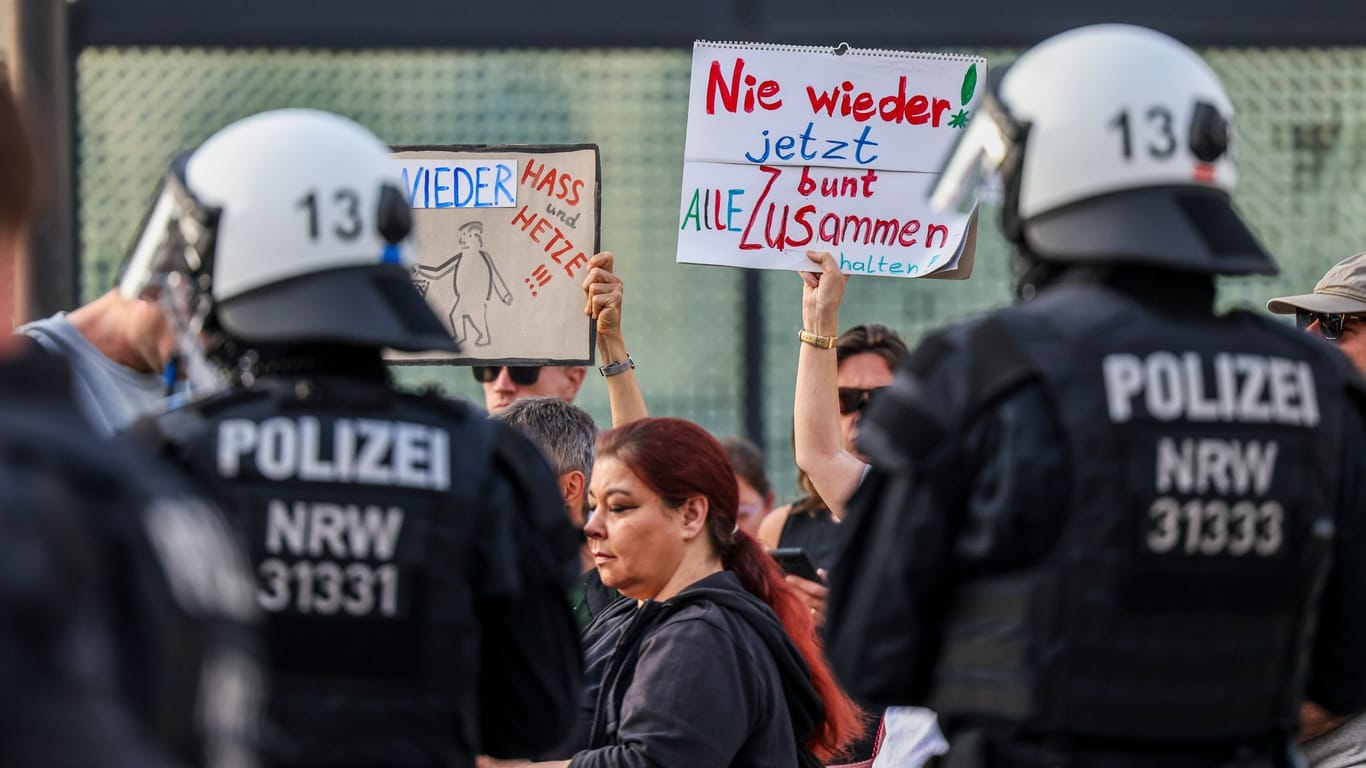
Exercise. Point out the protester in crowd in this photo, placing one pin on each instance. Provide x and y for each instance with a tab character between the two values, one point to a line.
1336	308
565	433
412	556
505	383
1335	311
118	348
714	661
833	389
1108	525
127	617
604	296
756	495
836	378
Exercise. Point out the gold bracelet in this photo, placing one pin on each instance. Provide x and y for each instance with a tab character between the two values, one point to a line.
816	340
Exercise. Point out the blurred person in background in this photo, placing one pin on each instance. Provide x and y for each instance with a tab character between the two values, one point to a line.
756	495
118	348
127	614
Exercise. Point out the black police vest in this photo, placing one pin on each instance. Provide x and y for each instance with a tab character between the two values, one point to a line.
1178	602
358	506
108	546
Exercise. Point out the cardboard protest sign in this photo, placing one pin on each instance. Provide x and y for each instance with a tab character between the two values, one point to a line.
794	148
503	235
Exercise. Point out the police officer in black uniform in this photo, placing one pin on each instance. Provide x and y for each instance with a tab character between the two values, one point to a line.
1108	526
127	614
411	555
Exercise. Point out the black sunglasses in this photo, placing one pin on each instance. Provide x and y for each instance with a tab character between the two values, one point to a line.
1331	325
524	375
852	400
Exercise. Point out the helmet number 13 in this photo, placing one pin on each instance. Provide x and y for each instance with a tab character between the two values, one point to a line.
1162	138
344	214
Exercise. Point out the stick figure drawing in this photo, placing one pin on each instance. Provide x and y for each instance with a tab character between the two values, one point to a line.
476	281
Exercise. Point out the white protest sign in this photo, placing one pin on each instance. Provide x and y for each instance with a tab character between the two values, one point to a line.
502	238
795	148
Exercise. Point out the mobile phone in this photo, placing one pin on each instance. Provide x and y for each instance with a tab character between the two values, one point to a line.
794	561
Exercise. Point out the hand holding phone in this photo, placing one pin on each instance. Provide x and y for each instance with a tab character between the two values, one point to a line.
795	561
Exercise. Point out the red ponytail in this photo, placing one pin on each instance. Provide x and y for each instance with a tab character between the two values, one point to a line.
844	721
678	460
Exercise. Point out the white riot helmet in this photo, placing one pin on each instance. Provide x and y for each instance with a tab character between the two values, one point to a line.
287	227
1113	144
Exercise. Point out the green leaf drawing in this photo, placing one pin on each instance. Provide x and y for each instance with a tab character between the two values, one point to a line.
969	84
959	119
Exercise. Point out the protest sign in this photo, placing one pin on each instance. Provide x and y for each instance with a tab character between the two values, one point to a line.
502	238
794	148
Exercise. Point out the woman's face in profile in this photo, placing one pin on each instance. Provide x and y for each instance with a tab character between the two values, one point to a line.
634	537
753	507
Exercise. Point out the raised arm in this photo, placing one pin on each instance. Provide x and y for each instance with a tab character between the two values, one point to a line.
603	294
818	443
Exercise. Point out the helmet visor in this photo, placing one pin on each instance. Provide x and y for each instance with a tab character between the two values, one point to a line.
973	163
150	255
177	236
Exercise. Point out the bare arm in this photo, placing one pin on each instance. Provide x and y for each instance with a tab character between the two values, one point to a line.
819	446
603	293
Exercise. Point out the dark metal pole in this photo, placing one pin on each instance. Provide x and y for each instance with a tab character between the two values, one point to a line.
36	49
747	15
754	355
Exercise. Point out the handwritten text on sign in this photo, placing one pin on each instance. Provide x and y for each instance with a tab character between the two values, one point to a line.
795	148
503	236
450	184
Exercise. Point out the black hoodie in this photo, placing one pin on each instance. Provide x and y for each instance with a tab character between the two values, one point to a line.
707	678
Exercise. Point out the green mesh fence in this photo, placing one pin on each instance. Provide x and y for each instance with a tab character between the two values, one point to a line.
1301	156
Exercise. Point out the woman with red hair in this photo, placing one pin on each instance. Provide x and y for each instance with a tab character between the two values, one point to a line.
715	660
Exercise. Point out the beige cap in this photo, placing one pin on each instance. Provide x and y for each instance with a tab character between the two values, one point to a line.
1341	291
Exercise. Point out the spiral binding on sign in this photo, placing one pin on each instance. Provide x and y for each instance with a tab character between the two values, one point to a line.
843	49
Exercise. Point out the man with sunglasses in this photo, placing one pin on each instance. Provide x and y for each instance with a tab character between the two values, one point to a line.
1110	525
1336	310
504	384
